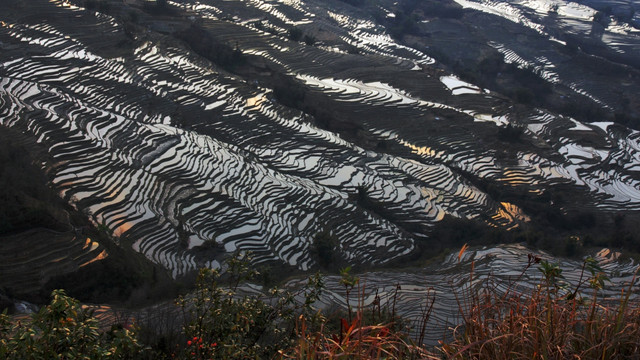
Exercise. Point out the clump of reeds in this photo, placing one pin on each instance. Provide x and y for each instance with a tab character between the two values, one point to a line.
354	341
551	321
366	333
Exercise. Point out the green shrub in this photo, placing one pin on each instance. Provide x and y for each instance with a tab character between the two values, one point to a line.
223	324
64	330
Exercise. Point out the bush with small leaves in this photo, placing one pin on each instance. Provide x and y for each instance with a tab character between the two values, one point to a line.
65	330
221	323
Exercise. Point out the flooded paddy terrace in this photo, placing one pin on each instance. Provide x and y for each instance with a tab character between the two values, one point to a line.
172	152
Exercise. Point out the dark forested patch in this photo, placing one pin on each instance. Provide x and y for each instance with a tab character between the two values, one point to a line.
25	199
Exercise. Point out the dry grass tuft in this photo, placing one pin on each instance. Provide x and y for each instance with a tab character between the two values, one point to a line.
355	341
552	321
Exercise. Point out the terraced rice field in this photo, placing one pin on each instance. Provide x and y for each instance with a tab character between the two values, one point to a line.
556	19
173	153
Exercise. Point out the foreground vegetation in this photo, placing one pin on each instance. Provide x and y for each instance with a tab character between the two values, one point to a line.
553	320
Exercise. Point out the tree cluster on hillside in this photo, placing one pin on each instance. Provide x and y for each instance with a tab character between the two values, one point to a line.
409	13
226	56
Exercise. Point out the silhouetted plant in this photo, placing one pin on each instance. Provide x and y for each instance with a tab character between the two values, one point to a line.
349	282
